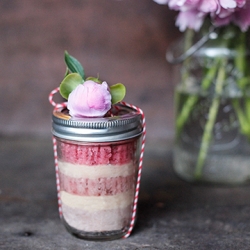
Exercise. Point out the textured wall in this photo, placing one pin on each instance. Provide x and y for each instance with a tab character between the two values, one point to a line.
122	41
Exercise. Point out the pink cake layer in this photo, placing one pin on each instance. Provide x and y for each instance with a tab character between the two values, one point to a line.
96	154
97	221
96	187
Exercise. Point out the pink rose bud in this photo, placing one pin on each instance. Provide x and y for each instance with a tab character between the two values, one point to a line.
89	99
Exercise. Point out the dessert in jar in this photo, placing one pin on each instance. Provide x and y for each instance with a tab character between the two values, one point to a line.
97	159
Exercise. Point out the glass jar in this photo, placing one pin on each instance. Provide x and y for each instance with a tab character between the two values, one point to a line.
213	112
97	168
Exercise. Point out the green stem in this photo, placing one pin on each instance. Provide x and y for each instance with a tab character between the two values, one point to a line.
192	99
247	101
243	113
188	42
185	112
243	119
241	53
213	110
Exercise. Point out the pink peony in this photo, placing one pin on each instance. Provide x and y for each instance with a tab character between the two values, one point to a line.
222	12
242	17
189	19
89	99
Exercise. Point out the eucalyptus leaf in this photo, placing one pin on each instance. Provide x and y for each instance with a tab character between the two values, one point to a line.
95	79
69	83
74	65
118	92
66	72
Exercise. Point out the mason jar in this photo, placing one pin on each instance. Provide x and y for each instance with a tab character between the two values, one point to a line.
96	168
212	104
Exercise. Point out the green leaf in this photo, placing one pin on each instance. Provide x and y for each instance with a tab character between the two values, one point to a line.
69	83
67	72
94	79
74	65
118	92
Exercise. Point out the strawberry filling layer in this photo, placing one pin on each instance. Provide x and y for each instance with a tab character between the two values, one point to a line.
96	154
96	187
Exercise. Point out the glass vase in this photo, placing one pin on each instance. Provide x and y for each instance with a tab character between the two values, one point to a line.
97	167
212	116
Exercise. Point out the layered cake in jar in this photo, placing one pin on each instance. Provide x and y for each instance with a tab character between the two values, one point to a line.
97	178
97	184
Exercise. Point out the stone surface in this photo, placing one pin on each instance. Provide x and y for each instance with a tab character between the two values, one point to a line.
172	214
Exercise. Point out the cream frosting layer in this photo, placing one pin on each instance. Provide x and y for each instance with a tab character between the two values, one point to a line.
97	203
97	221
93	172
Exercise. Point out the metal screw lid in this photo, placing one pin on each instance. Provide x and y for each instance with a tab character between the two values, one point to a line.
123	123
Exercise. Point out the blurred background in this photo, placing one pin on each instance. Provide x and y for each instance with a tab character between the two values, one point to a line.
122	41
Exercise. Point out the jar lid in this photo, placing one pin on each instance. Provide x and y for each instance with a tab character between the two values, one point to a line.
123	123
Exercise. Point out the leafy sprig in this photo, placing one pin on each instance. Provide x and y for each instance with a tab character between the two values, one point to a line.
75	75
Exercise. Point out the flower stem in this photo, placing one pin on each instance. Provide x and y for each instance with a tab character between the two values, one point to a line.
243	119
192	99
247	100
185	112
212	114
243	80
189	35
240	61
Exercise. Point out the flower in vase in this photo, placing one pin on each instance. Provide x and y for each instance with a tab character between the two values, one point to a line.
230	21
221	12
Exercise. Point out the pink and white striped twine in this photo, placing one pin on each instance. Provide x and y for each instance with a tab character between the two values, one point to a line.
137	188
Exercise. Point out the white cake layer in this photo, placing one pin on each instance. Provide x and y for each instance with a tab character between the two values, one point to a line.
96	171
97	203
97	221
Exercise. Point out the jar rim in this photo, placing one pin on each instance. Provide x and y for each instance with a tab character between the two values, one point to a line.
123	123
216	52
